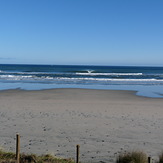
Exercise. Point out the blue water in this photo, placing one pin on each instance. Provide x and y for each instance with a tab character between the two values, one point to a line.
147	81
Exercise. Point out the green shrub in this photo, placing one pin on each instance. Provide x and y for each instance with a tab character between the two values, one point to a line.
6	157
132	157
160	158
9	157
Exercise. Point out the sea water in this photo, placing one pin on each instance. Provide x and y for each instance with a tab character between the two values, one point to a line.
147	81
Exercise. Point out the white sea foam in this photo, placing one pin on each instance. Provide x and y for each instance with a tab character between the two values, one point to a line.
110	74
33	77
37	73
48	77
108	79
89	72
15	77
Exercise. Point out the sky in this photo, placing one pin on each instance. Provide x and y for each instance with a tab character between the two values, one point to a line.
82	32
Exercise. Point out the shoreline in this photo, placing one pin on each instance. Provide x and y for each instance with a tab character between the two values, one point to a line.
134	92
103	122
153	91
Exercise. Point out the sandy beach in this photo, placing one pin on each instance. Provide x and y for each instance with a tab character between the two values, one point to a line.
103	122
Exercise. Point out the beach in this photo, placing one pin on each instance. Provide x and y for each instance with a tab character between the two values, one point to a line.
103	122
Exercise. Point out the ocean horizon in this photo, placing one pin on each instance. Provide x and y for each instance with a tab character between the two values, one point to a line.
145	80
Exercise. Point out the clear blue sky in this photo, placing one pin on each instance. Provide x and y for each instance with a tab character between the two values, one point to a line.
96	32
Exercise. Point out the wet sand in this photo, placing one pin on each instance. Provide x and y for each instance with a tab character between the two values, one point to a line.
103	122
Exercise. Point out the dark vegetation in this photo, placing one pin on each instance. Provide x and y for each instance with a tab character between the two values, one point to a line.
9	157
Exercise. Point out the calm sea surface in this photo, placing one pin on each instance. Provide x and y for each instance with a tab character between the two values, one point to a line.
148	81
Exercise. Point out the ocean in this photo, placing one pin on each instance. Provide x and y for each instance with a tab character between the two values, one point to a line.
147	81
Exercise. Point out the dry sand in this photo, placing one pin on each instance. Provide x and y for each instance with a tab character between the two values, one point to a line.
103	122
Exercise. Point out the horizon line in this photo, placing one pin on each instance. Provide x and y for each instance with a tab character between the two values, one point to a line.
104	65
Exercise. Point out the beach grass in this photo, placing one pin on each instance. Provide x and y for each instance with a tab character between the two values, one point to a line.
9	157
132	157
160	158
